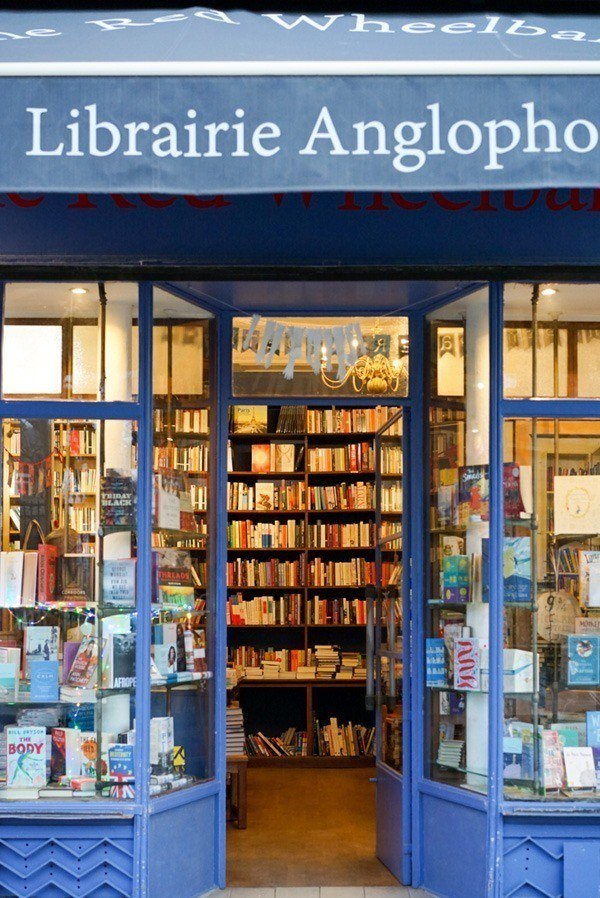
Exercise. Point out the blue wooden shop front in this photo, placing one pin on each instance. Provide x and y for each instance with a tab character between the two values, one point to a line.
440	249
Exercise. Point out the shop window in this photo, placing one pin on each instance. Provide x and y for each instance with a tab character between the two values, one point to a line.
551	592
182	707
54	336
564	318
68	608
327	357
456	607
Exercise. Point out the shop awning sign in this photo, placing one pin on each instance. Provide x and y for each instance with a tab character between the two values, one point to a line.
202	101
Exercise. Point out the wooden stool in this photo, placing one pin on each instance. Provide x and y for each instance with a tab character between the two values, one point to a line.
237	766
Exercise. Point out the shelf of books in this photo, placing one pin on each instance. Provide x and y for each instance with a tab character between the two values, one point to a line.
67	605
301	550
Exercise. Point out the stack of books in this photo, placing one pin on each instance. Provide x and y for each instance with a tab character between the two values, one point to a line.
348	666
450	753
271	669
327	658
234	730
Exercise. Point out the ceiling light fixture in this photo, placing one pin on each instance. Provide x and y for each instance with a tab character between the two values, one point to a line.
549	291
78	291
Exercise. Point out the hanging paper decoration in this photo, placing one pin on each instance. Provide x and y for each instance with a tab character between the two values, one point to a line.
30	478
318	345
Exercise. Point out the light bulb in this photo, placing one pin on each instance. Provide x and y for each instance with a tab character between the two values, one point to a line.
549	291
78	291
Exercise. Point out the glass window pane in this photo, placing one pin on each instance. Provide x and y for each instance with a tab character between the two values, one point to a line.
68	600
320	356
53	339
551	561
457	609
182	708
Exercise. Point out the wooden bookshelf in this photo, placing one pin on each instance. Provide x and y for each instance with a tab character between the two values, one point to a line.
303	636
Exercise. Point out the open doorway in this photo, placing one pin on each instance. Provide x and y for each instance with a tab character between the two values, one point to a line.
314	586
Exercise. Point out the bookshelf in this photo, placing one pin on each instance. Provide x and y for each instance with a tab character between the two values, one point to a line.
298	566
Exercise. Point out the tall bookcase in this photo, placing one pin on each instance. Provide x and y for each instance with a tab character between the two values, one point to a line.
271	705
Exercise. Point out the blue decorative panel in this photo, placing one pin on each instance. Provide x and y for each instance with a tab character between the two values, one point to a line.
554	858
60	859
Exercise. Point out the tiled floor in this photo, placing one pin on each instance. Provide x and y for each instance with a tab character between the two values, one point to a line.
323	892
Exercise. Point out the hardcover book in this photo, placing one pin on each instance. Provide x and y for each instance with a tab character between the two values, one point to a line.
580	767
435	661
122	660
513	501
467	665
173	576
589	564
516	568
44	681
46	575
552	760
118	582
261	458
583	668
25	757
9	680
41	644
265	495
456	579
592	728
82	674
473	494
117	499
249	418
284	457
577	504
75	578
120	762
11	578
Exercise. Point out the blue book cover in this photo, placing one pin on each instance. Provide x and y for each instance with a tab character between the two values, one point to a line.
44	681
8	681
584	660
456	581
516	565
435	662
120	761
592	728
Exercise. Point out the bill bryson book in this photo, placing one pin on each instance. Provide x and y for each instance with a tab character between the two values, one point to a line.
25	757
583	667
473	494
435	662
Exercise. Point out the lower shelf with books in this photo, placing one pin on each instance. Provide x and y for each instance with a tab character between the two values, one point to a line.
311	761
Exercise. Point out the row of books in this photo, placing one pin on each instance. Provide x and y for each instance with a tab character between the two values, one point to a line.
354	457
343	740
342	496
569	752
268	610
199	496
390	459
191	459
282	495
80	480
331	663
276	534
248	657
336	536
346	420
336	611
391	498
353	572
78	440
184	420
234	729
267	457
291	743
82	518
563	471
243	572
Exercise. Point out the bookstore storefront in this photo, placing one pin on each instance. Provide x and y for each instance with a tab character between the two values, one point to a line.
395	277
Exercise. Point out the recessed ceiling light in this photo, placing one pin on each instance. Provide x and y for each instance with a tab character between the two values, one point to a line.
549	291
78	291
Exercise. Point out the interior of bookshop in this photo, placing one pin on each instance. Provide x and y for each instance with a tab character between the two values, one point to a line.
305	615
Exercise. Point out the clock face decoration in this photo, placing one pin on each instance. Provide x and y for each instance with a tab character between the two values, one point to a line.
556	614
578	502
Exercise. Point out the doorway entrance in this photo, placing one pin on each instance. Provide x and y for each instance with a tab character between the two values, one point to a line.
315	588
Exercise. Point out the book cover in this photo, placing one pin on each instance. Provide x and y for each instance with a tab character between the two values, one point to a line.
516	568
75	578
173	579
577	504
118	582
249	418
120	762
46	575
512	750
117	499
513	501
13	579
82	674
567	736
284	457
583	667
25	757
261	458
447	506
41	644
165	658
552	761
593	584
65	756
44	681
473	494
435	662
467	665
596	754
265	495
580	767
592	728
9	680
122	660
588	557
30	572
456	578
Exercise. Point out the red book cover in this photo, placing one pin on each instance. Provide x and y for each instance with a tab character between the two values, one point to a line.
74	441
46	581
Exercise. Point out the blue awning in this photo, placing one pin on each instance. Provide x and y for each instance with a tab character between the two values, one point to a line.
201	101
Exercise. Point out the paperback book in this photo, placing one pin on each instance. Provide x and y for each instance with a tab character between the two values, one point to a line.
117	499
118	582
435	661
583	666
44	681
473	494
41	644
25	757
467	664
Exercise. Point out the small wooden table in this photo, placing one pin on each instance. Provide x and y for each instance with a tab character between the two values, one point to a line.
237	766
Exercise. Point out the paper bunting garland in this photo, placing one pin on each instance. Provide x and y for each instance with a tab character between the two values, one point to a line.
317	345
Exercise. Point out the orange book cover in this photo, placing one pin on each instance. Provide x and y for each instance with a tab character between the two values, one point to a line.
261	458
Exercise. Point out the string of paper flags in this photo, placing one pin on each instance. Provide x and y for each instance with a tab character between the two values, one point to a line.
317	345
